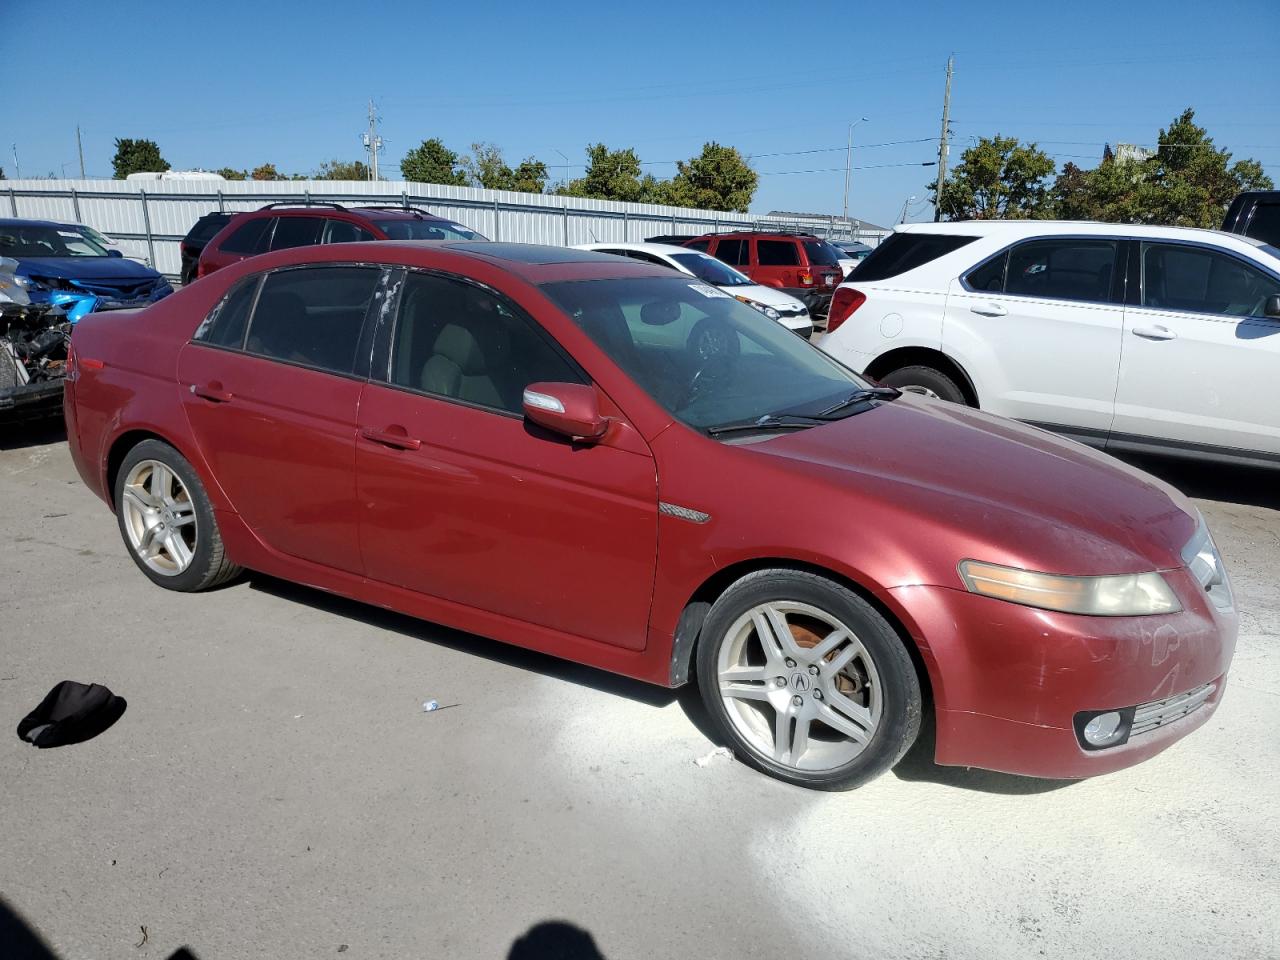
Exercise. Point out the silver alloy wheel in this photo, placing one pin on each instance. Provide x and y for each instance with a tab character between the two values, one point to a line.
799	686
916	388
159	518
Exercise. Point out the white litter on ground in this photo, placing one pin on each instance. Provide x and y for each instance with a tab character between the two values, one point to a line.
717	752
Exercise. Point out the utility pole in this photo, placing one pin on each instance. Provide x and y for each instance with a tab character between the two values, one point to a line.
17	170
943	145
372	142
80	150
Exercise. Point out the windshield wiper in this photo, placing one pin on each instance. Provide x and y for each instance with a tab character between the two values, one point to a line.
769	421
861	396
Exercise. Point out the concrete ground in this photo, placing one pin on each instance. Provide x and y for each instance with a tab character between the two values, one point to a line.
275	790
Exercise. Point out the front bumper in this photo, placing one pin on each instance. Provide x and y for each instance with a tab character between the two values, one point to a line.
1009	680
31	401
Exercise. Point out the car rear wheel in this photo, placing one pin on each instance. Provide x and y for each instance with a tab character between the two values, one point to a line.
927	381
167	522
806	681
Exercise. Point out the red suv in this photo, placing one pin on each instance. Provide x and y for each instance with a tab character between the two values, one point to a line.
805	266
615	463
278	226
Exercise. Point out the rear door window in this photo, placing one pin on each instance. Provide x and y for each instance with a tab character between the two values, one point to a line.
313	316
1062	269
1198	280
248	237
733	252
777	253
344	231
901	252
296	232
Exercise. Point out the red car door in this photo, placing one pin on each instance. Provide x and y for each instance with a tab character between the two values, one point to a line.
271	395
463	500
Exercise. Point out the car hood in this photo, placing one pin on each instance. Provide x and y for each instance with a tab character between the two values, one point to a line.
87	268
995	489
766	295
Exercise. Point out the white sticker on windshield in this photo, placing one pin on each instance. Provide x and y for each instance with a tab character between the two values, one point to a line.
69	234
709	291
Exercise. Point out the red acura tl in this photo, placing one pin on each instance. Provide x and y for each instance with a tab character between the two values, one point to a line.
613	463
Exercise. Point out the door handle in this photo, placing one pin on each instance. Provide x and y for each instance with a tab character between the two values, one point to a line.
989	309
389	438
1154	333
212	391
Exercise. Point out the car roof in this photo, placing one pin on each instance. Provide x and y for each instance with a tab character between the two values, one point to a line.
24	222
658	249
1012	229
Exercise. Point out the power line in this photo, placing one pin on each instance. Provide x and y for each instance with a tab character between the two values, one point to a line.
876	166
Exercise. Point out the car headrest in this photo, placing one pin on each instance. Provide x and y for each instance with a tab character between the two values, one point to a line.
660	313
458	345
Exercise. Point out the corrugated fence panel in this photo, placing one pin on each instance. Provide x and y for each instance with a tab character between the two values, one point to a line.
149	218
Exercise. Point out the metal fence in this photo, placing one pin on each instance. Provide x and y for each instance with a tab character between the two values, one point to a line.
149	219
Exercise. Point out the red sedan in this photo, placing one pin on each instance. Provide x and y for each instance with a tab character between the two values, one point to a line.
609	462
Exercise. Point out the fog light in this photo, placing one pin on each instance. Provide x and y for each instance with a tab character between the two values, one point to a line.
1097	731
1102	729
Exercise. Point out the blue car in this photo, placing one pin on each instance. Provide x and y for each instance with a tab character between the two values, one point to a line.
64	265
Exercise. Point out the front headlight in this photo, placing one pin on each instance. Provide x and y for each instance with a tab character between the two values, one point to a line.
1121	595
769	312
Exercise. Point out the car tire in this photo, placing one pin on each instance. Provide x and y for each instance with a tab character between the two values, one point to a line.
848	708
928	381
167	521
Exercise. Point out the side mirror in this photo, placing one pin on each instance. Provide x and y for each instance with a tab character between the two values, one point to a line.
114	253
570	409
1272	308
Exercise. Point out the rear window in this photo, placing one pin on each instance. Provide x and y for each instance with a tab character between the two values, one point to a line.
821	253
207	226
777	253
901	252
1264	225
699	245
247	238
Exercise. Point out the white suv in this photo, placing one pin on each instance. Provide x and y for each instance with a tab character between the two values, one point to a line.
1153	339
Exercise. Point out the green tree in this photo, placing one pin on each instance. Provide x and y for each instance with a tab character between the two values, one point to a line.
432	162
137	156
716	179
486	168
266	171
343	170
997	178
229	174
611	175
1187	181
530	176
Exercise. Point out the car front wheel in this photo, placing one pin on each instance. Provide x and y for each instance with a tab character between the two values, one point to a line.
167	521
926	381
806	681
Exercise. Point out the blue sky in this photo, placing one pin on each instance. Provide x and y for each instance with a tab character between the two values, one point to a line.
238	84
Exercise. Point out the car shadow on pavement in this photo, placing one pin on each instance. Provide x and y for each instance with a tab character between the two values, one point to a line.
15	436
494	650
1250	486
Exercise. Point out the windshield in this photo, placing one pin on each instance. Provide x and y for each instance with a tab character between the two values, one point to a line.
711	270
821	253
706	358
426	230
36	240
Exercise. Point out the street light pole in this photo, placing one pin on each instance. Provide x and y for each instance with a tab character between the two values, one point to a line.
566	166
906	203
848	166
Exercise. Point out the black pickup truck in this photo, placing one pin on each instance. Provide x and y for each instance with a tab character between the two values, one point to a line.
1255	214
